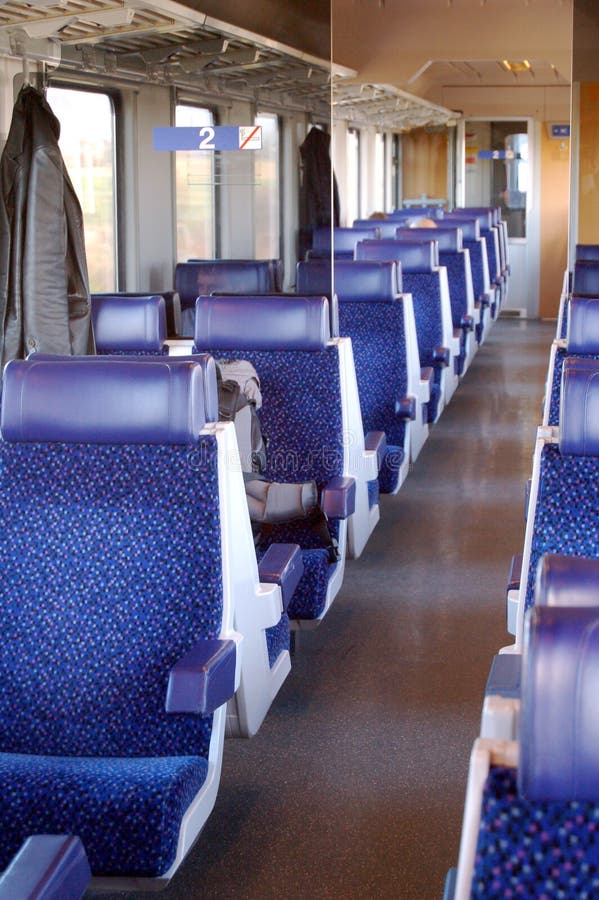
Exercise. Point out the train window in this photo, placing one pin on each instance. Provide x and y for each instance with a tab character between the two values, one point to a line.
396	166
380	171
87	144
353	210
195	193
267	215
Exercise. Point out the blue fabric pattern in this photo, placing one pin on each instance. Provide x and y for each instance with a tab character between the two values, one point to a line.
302	422
111	567
476	264
554	403
277	639
389	471
425	288
567	510
542	850
127	812
162	352
373	492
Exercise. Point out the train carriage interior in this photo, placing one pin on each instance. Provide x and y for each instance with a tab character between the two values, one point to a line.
298	449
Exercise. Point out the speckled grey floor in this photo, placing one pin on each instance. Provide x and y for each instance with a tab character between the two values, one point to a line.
354	786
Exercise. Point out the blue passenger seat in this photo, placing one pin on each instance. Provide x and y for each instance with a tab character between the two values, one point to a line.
129	325
532	806
375	316
340	242
564	498
207	276
427	283
113	697
479	265
582	339
172	306
456	261
304	417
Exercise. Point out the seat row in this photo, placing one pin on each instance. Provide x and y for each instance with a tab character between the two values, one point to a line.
125	509
532	800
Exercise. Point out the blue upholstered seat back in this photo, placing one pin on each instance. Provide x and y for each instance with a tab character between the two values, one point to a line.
586	277
567	509
583	325
456	263
111	566
205	277
587	251
415	256
129	325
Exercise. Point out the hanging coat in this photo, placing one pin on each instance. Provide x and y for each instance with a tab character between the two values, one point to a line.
44	290
319	196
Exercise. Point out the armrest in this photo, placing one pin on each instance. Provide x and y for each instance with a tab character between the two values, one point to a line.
338	498
405	408
376	440
467	323
513	579
441	356
203	679
426	373
484	300
46	867
505	676
282	564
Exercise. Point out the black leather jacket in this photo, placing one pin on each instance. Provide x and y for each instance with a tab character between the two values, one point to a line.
44	290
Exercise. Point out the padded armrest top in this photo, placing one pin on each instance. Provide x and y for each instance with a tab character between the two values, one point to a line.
586	277
559	728
103	400
414	256
345	239
567	581
579	407
47	867
583	325
468	223
587	251
132	323
354	279
203	276
258	323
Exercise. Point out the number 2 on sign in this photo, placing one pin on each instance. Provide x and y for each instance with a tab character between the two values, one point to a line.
207	135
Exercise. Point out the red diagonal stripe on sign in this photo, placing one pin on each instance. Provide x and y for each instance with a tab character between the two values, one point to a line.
249	137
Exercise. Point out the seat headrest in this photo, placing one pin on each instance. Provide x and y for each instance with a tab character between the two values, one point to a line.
449	237
559	726
586	277
567	581
202	277
579	407
587	251
469	225
345	239
105	400
172	304
414	256
386	227
128	323
354	279
583	325
202	359
261	323
483	213
420	236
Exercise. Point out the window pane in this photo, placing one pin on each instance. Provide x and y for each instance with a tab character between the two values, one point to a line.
379	172
266	198
353	176
194	176
497	170
87	146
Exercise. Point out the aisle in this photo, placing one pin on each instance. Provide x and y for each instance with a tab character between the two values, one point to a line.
354	786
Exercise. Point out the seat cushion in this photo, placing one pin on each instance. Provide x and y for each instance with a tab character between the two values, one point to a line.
534	849
127	812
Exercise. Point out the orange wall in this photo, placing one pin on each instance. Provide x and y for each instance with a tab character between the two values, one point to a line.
588	160
555	178
424	168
